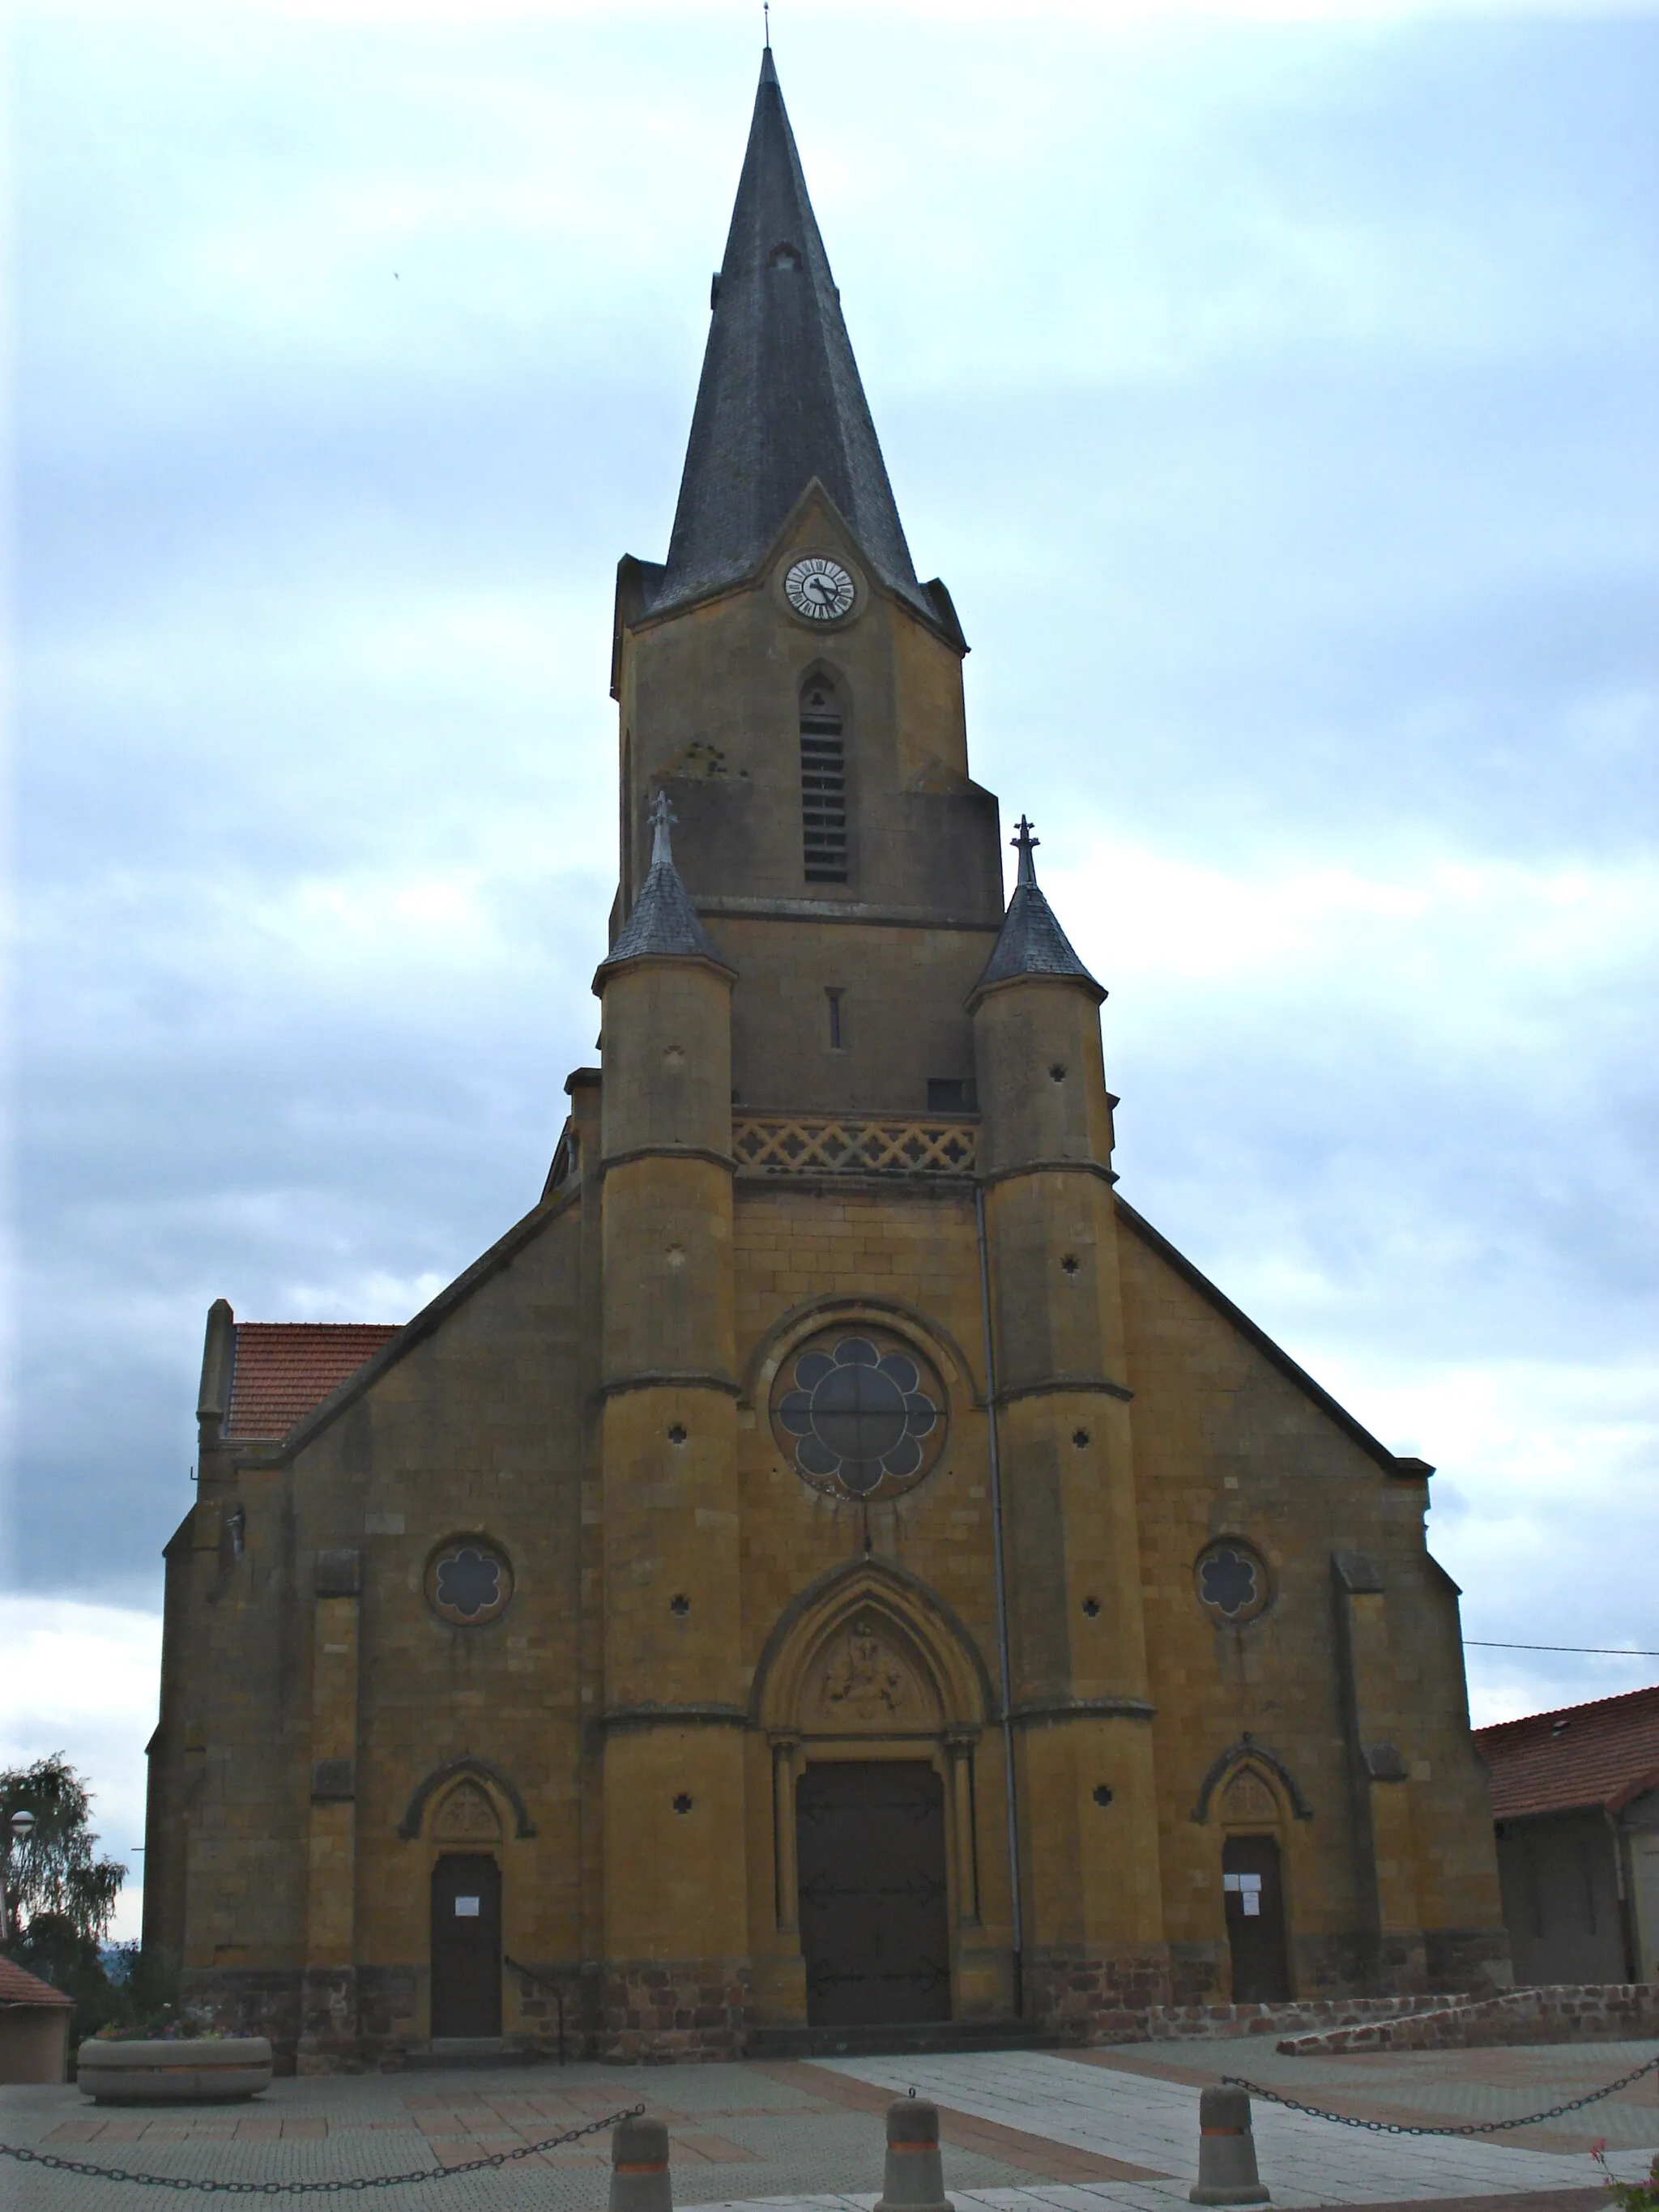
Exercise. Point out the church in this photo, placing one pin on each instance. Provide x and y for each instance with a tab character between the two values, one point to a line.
832	1572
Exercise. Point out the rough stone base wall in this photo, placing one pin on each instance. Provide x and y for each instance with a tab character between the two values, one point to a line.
1081	1998
1197	1972
686	2009
388	2013
330	2040
1469	1962
1336	1965
1199	2023
1589	2012
247	2001
538	2010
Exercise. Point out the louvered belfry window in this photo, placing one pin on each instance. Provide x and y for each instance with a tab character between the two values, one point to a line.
822	783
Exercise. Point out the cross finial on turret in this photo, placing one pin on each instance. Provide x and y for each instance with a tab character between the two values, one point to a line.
663	818
1025	844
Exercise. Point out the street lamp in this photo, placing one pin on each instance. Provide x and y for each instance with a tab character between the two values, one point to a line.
21	1828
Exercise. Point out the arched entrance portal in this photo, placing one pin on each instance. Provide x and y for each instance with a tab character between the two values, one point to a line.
873	1700
466	1945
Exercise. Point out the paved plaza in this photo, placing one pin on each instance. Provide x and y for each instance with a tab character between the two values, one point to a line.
1022	2132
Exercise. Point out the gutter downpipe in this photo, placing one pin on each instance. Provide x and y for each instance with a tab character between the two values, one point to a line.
1005	1668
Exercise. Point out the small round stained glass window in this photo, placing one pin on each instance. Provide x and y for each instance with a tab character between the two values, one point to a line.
1231	1582
859	1413
468	1582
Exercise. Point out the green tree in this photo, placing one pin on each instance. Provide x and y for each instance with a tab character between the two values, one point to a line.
56	1872
60	1896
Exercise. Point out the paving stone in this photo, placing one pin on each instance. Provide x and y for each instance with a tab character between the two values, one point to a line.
1027	2131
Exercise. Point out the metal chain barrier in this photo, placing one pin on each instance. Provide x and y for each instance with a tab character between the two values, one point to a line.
1471	2128
25	2157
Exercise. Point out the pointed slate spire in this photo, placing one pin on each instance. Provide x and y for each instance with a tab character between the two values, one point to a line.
779	401
1031	942
664	922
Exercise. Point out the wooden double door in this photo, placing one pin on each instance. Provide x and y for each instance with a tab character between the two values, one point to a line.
873	1894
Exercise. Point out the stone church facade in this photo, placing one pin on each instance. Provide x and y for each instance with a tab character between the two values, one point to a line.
832	1565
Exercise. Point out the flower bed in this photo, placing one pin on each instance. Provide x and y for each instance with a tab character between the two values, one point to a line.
184	2071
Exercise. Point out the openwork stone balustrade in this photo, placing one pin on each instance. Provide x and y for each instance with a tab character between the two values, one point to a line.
823	1144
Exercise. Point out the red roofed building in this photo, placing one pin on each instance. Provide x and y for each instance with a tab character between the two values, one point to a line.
35	2025
282	1371
1576	1797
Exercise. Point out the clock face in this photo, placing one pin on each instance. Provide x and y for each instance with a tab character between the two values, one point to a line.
819	589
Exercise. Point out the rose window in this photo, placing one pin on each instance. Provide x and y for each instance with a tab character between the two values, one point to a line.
468	1582
860	1414
1231	1583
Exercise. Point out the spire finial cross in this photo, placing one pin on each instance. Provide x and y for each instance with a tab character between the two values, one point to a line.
1024	843
663	818
766	13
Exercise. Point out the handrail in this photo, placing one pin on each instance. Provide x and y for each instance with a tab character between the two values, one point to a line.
534	1974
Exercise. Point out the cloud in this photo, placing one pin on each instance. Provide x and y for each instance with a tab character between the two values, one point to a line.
82	1679
1275	391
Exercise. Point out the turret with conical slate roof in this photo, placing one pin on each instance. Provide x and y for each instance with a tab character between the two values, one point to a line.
1076	1628
1031	943
667	1450
663	924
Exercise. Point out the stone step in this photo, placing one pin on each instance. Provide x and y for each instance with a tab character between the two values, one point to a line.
885	2039
474	2051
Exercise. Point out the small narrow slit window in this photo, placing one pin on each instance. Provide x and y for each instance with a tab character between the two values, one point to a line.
837	1041
822	783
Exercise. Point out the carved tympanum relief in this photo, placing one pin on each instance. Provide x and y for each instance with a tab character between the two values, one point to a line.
1247	1797
863	1676
867	1677
466	1816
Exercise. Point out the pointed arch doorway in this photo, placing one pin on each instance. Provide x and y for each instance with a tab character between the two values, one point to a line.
874	1700
1253	1888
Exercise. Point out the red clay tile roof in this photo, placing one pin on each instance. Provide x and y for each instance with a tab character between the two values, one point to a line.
1602	1753
283	1368
18	1988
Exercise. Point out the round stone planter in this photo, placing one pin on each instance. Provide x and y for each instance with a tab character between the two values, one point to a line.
209	2070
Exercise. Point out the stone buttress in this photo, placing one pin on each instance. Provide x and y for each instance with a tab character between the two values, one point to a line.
1094	1943
675	1932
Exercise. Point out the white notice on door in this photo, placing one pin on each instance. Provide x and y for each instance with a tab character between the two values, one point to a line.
466	1908
1247	1888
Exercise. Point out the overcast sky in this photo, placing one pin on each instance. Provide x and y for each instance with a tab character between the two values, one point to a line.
1278	398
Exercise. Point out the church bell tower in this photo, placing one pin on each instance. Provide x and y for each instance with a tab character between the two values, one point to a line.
795	691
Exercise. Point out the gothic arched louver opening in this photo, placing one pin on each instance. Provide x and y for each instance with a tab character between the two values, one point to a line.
823	782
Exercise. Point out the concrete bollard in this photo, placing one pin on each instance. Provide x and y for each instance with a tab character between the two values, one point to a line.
913	2180
1227	2151
639	2168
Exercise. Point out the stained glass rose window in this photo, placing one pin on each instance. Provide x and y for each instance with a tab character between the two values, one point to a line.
860	1413
1231	1581
468	1582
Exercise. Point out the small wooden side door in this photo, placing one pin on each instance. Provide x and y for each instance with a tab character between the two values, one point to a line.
1254	1896
466	1945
